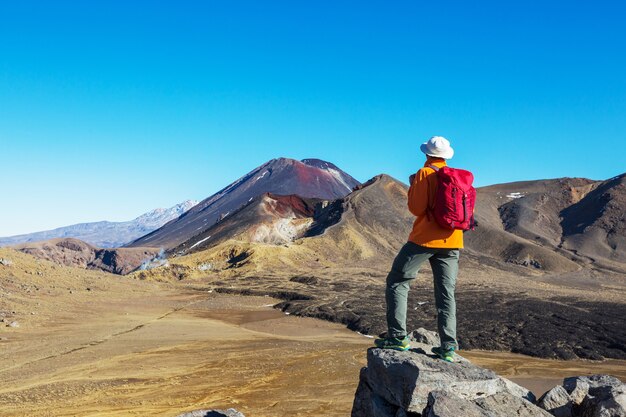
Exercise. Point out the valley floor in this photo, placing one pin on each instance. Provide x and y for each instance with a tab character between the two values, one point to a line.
151	350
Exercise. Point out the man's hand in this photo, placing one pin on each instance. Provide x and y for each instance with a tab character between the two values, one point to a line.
411	178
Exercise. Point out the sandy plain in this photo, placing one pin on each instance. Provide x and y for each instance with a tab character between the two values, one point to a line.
135	348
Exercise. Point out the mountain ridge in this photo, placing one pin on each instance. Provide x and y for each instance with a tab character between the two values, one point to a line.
106	234
519	224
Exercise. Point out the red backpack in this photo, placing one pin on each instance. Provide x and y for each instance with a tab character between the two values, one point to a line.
454	199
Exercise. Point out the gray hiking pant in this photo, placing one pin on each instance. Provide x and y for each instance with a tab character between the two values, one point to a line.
445	266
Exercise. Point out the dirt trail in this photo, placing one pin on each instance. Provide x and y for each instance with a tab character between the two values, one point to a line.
166	352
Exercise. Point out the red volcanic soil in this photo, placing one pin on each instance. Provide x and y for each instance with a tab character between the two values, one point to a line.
287	204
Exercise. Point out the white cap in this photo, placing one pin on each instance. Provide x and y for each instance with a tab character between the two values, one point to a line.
438	146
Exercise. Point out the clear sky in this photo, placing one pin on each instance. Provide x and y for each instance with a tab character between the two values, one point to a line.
111	108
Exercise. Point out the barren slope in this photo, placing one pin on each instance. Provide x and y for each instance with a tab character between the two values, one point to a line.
76	253
524	295
268	218
310	178
595	226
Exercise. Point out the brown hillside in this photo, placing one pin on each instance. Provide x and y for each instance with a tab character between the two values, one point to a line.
76	253
595	226
514	293
269	218
519	225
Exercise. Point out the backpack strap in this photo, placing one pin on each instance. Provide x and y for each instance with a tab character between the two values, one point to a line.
430	209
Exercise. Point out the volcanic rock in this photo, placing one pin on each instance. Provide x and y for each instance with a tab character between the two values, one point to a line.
506	404
396	382
443	404
446	404
592	396
557	401
427	337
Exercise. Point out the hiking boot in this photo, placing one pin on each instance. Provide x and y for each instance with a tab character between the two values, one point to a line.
395	343
445	354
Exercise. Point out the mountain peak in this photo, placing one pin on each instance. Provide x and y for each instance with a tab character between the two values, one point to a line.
160	216
318	163
310	178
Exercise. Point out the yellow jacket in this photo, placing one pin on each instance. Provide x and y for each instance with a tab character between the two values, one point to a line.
426	231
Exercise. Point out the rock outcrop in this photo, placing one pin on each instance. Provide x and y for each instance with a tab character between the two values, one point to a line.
231	412
586	396
417	383
444	404
79	254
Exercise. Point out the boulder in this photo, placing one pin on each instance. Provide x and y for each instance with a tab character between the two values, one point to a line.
557	401
586	396
427	337
231	412
506	404
443	404
368	403
400	382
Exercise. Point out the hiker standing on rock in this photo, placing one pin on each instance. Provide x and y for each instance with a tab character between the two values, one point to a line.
437	236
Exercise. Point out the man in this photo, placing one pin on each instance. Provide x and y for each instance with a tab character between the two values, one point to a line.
427	241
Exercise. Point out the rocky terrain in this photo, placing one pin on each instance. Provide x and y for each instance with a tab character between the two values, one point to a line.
92	343
79	254
309	178
520	288
106	234
416	383
531	280
85	342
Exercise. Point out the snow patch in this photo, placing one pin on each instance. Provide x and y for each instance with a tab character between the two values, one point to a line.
337	175
199	242
515	195
260	176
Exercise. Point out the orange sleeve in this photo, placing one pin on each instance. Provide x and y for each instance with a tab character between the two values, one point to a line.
418	194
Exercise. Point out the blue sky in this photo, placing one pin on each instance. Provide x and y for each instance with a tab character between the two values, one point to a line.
109	109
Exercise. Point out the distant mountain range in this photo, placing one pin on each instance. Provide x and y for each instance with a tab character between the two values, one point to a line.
107	234
559	225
